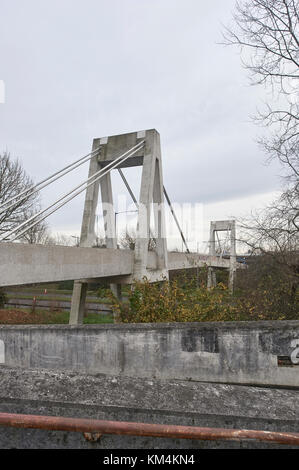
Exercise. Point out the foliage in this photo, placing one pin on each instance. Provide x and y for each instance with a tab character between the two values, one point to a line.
269	288
264	297
66	285
174	301
267	34
273	235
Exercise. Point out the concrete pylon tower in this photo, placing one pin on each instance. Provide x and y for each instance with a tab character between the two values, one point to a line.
151	191
230	227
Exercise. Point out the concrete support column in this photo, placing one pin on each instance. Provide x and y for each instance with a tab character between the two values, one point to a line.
151	191
212	280
144	210
233	258
160	229
116	291
78	303
209	279
109	223
87	238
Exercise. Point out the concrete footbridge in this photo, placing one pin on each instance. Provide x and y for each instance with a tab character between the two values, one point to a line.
225	381
25	264
29	264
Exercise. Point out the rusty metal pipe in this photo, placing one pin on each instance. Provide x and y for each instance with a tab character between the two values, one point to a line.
59	423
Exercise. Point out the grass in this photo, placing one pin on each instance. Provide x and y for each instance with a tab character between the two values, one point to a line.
92	318
14	316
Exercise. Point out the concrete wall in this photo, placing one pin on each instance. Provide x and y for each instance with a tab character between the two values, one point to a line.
234	352
117	398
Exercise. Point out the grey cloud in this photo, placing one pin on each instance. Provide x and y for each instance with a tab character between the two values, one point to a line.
75	70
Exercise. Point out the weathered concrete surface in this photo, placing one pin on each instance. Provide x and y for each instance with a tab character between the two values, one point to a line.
192	260
56	393
226	352
27	264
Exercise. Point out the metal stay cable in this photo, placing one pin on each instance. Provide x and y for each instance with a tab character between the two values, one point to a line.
45	182
175	218
128	187
111	164
132	195
98	175
167	198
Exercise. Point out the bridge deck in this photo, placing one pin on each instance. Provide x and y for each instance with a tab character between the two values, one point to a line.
27	264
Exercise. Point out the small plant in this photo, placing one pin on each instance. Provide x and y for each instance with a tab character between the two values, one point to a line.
3	298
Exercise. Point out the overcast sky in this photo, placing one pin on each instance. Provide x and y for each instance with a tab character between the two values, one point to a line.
78	69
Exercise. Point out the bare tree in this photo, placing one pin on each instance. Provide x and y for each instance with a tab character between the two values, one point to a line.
61	239
69	240
267	32
13	181
272	231
37	233
100	241
273	235
128	240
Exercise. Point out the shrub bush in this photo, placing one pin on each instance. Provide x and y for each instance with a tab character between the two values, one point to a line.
175	302
183	300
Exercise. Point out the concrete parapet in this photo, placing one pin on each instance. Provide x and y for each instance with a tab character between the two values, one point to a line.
263	353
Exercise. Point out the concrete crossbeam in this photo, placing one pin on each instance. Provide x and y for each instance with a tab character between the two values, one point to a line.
193	260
